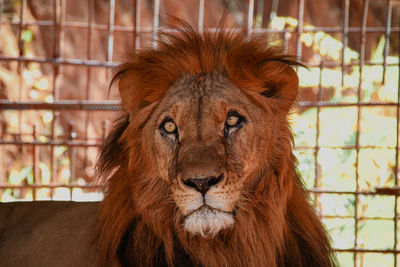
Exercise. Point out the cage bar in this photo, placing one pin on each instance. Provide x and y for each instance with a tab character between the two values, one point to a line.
156	22
345	37
300	17
250	16
387	38
359	99
200	16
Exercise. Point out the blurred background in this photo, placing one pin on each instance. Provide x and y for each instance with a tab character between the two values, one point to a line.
56	58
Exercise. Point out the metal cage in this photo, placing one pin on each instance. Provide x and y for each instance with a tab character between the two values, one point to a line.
68	149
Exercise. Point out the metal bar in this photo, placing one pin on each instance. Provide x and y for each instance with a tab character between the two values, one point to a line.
1	15
324	191
286	37
89	43
51	143
57	11
387	38
35	161
20	136
88	81
317	126
156	21
61	27
119	28
61	105
52	186
274	10
250	16
137	26
135	18
359	98
112	105
59	61
396	169
94	63
53	159
3	178
21	52
344	147
340	104
21	25
332	64
361	250
200	16
20	66
72	157
110	47
265	15
300	17
345	35
19	142
352	217
395	222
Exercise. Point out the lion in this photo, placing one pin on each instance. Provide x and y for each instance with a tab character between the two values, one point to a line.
198	169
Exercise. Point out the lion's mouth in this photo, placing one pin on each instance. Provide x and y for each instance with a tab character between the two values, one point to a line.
206	207
207	221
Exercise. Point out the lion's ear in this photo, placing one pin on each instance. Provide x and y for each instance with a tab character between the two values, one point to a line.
128	93
133	98
280	81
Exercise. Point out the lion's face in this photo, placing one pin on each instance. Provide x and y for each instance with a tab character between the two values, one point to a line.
209	138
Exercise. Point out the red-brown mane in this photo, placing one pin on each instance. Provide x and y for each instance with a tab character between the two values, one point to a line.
138	221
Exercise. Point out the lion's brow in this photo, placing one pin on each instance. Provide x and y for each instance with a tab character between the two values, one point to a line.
199	85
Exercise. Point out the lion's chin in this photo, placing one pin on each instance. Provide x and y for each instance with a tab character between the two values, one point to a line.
208	222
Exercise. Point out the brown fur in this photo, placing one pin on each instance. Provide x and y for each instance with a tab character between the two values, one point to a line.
139	221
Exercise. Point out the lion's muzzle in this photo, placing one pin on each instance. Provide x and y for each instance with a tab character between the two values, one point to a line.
205	214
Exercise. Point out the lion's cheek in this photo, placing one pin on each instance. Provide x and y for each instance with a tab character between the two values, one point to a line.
253	156
226	199
254	149
162	157
186	201
163	169
249	166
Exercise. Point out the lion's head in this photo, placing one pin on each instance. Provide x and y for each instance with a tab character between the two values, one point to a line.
203	166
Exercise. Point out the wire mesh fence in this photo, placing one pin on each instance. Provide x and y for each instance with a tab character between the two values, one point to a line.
55	63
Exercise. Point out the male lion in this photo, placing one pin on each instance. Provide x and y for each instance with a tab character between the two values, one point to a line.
200	164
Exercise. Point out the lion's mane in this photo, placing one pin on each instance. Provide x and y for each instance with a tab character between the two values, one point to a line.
139	224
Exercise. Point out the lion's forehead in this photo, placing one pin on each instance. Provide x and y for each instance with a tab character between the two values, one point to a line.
212	84
195	95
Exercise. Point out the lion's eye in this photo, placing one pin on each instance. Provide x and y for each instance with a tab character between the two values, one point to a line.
168	126
232	121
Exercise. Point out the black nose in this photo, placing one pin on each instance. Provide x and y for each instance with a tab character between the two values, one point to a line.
203	184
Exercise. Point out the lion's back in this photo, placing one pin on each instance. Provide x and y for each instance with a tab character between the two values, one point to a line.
47	233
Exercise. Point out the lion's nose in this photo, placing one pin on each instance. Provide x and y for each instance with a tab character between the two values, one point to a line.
203	184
